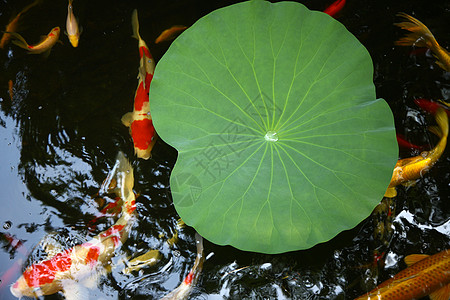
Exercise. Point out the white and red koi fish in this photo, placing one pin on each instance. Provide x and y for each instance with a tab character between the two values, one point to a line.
140	119
65	270
73	32
44	46
185	288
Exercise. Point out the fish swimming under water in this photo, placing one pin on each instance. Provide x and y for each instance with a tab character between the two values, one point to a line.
334	8
73	31
170	34
44	46
408	169
140	119
185	288
12	26
421	36
432	106
67	270
425	275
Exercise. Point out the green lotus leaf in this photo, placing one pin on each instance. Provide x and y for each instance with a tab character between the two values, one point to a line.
281	141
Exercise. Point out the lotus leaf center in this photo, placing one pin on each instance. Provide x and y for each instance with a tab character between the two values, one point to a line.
271	136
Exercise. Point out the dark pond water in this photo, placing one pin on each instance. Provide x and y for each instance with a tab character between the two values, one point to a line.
61	131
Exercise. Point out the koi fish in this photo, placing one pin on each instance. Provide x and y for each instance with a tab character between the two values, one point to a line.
44	46
431	106
169	34
67	268
421	36
425	275
185	288
411	168
149	258
140	119
12	26
11	89
73	31
335	8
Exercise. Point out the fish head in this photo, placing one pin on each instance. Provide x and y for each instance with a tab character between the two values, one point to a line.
73	38
20	288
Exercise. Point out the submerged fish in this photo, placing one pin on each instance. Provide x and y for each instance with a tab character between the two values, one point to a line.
140	119
421	36
425	275
412	168
432	106
12	26
169	34
334	8
73	32
185	288
44	46
66	270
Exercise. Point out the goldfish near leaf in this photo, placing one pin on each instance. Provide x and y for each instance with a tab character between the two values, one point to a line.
334	8
140	119
170	34
412	168
425	275
67	269
421	36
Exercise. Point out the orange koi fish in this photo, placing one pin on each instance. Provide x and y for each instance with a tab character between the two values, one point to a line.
421	36
73	31
65	270
11	89
140	119
12	26
185	288
402	142
431	106
44	46
425	275
335	8
169	34
412	168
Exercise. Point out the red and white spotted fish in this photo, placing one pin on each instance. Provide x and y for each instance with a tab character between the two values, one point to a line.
45	45
140	119
67	269
185	288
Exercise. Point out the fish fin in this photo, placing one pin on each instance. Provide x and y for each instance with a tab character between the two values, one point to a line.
442	121
441	294
18	40
420	35
409	183
413	258
127	119
73	290
436	130
135	24
391	192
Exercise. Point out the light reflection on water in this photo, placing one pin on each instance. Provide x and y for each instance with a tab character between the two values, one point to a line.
61	131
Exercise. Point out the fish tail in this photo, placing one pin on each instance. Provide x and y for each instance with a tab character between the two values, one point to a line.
442	121
26	8
126	183
419	36
135	24
18	40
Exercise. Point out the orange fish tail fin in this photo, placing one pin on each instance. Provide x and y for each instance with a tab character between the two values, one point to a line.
26	8
441	294
135	24
442	121
420	35
18	40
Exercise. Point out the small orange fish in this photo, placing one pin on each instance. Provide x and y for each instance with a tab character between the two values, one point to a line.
421	36
73	32
412	168
334	8
169	34
11	89
425	275
140	120
185	288
44	46
12	26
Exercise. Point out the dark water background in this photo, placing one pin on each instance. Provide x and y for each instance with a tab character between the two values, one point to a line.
61	131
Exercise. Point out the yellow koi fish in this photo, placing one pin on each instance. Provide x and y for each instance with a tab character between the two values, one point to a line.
421	36
185	288
73	31
66	269
425	275
412	168
44	46
140	120
12	26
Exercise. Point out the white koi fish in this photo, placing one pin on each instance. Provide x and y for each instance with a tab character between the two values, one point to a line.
65	270
73	32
